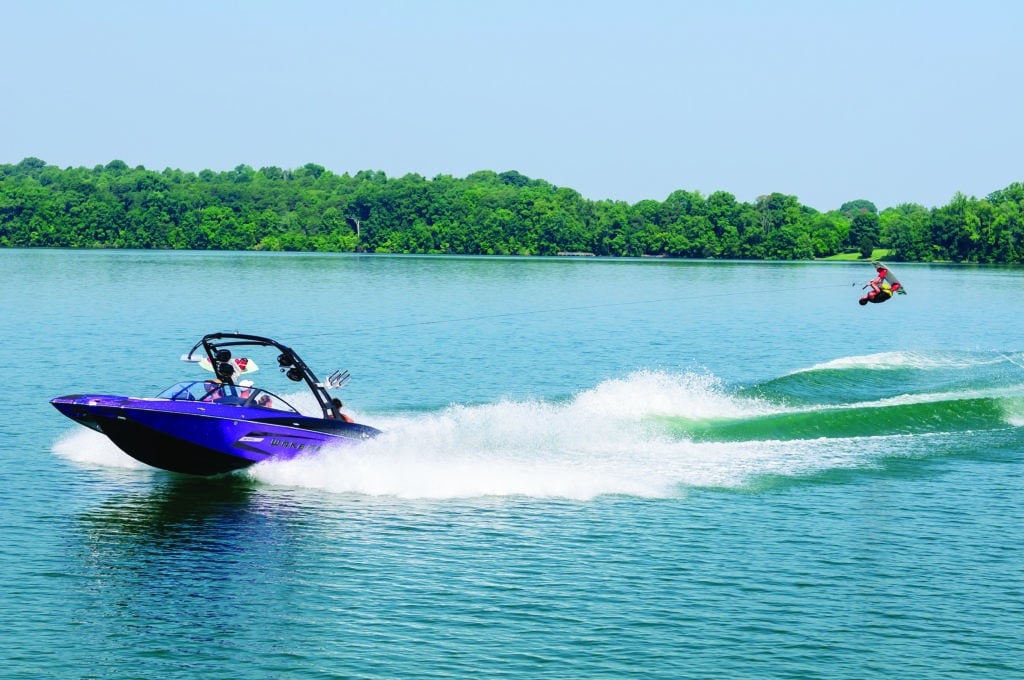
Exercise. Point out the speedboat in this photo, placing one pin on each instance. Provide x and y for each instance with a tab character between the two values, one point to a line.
224	423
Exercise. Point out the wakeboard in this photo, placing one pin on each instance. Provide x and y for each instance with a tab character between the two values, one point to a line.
242	365
890	278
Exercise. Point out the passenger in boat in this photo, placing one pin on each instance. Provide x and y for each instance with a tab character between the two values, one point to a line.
265	401
211	389
246	389
337	405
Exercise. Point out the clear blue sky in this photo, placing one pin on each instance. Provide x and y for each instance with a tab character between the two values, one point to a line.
826	100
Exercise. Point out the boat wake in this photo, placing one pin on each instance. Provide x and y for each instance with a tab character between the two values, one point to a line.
657	434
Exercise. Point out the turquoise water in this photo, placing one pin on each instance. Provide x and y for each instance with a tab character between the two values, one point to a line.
590	468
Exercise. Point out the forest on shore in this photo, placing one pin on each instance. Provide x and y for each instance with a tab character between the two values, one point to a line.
487	213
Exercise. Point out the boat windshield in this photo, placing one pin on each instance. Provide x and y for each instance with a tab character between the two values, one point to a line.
225	395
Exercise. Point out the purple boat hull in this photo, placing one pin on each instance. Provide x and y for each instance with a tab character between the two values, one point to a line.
206	439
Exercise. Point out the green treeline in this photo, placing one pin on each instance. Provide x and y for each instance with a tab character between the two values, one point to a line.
487	213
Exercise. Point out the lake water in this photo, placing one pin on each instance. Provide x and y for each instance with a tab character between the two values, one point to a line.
590	468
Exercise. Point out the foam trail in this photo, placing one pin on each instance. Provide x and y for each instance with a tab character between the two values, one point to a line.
656	393
601	442
433	457
918	360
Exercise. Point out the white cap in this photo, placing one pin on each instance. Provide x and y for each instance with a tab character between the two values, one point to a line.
245	383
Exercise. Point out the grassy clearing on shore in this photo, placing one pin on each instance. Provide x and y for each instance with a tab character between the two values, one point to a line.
876	254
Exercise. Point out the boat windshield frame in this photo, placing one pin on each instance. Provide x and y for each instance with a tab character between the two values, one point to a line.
224	394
